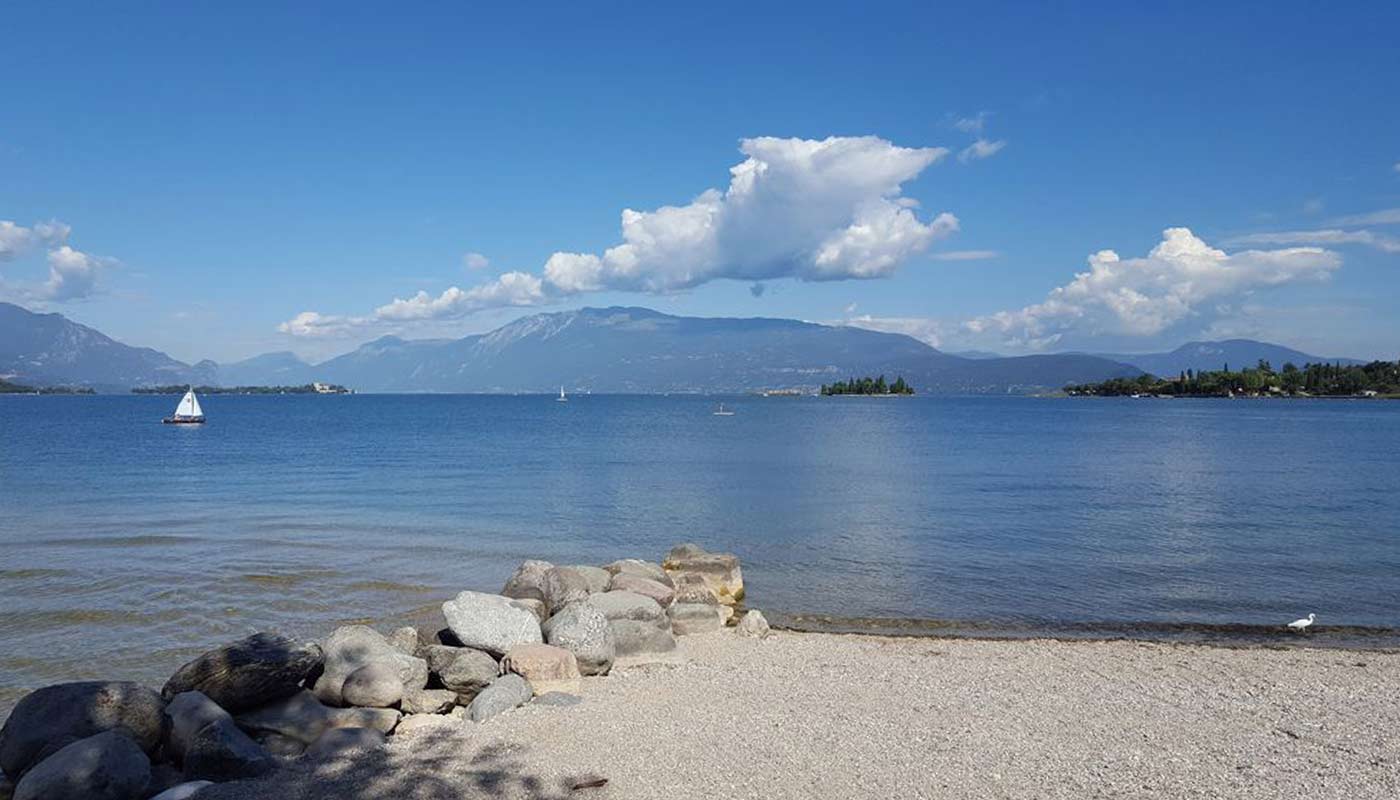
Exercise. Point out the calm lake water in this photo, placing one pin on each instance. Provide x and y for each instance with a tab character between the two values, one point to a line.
127	546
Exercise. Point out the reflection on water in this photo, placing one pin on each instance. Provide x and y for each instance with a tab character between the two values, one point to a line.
126	546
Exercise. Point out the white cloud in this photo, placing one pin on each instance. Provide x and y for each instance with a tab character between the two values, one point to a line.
16	240
1397	166
312	324
1380	241
1386	216
73	274
850	309
973	124
932	332
980	149
1145	296
510	289
964	255
475	261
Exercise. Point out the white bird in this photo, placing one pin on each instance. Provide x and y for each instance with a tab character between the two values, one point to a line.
1302	624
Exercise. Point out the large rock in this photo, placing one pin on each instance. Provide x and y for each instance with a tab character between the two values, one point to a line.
562	586
220	751
536	607
490	622
304	718
353	646
636	566
546	667
247	673
405	640
183	791
720	570
617	605
598	578
634	640
188	713
583	630
375	685
279	746
428	701
49	718
660	592
506	692
527	582
688	618
463	670
694	589
753	625
342	741
105	766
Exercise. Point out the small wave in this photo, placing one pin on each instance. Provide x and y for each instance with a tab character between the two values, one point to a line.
391	586
140	540
287	578
36	572
80	617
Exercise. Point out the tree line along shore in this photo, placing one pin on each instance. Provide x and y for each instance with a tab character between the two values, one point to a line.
1376	379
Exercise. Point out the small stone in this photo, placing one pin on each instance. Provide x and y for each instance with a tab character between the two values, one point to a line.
617	605
490	622
753	625
342	741
222	752
583	630
505	693
248	673
562	586
428	701
189	712
635	566
657	591
462	669
558	699
405	640
375	685
546	667
183	791
688	618
106	766
598	578
48	719
527	582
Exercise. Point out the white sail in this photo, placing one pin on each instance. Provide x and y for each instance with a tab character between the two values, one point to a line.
189	406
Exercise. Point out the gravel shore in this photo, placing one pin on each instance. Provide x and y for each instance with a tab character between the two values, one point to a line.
820	715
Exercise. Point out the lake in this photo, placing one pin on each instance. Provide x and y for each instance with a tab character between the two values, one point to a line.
127	546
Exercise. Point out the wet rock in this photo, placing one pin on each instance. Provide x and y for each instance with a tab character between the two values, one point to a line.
188	713
546	667
353	646
220	751
375	685
753	625
105	766
617	605
688	618
635	566
583	630
343	741
527	582
562	586
50	718
182	791
636	584
598	578
633	638
720	570
248	673
428	701
463	670
490	622
505	693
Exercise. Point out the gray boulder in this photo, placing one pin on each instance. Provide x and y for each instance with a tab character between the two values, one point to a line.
49	718
463	670
405	640
105	766
598	578
617	605
248	673
506	692
304	718
633	638
527	582
183	791
490	622
583	630
536	607
428	701
188	713
342	741
354	646
562	586
688	618
636	566
220	751
375	685
660	592
753	625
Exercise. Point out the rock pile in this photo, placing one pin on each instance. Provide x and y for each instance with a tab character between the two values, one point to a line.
251	706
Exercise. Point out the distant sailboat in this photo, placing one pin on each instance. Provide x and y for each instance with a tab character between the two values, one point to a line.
721	412
561	398
188	412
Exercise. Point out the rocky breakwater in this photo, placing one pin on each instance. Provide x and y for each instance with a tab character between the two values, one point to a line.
267	702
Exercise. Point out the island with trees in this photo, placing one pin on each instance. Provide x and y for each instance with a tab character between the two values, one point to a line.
17	388
1376	379
868	386
310	388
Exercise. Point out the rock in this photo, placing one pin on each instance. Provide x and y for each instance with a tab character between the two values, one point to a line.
163	776
188	713
220	751
183	791
7	788
375	685
636	566
660	592
583	630
247	673
527	583
536	607
694	589
279	746
617	605
105	766
504	693
341	741
633	638
720	570
304	718
426	722
489	622
598	578
547	668
562	586
753	625
405	640
428	701
557	699
462	669
353	646
688	618
55	716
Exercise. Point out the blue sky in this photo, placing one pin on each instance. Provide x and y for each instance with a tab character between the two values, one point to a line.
198	179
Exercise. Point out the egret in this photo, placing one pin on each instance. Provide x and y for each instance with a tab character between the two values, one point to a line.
1302	624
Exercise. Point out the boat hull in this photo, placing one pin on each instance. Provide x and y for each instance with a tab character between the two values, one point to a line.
178	421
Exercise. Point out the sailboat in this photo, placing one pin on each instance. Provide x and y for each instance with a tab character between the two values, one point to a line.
721	412
561	398
188	412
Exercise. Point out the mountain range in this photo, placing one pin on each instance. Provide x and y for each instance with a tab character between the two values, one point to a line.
591	349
